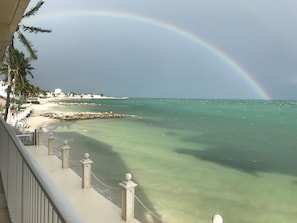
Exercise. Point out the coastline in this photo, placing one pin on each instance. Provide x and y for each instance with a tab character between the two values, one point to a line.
37	119
48	112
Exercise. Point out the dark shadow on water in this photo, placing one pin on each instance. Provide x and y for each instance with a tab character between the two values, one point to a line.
171	133
107	166
247	154
227	159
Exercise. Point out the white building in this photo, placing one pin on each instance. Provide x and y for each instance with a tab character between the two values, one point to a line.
59	93
3	88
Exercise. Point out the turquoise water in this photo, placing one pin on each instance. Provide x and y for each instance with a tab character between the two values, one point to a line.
191	157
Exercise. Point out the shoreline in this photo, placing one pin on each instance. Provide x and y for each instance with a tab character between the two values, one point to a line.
36	118
47	112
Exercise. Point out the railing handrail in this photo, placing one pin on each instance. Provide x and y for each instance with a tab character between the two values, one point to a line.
60	204
25	134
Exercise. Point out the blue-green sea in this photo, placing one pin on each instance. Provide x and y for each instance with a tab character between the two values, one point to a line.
192	158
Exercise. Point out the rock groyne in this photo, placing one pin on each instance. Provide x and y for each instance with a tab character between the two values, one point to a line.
70	116
78	104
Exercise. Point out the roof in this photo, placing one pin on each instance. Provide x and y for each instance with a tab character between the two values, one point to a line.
11	12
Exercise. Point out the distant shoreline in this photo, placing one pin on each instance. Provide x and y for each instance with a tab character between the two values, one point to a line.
47	112
83	98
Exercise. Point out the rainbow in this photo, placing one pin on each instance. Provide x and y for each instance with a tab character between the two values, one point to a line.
242	72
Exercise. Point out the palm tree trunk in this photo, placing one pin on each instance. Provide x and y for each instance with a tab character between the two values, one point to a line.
7	105
19	102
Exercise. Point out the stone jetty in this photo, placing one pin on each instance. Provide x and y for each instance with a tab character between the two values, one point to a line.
79	104
70	116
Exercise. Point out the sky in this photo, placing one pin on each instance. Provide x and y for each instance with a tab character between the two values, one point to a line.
227	49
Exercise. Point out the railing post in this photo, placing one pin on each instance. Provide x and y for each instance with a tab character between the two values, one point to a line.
39	137
65	155
51	139
217	219
128	198
86	171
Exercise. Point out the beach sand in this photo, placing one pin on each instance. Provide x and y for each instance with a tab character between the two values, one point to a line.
36	120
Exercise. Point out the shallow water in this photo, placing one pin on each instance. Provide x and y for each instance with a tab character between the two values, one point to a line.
191	157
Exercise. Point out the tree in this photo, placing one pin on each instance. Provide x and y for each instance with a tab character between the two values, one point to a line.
28	46
31	90
19	67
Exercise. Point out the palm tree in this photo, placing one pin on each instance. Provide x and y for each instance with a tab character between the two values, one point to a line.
29	90
28	46
19	67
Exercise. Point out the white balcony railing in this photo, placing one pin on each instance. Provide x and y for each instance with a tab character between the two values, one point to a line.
31	195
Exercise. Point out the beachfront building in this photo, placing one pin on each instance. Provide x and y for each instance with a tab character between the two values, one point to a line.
59	93
3	88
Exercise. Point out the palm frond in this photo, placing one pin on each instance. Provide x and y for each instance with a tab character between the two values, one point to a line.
28	45
35	30
33	10
3	70
30	73
20	69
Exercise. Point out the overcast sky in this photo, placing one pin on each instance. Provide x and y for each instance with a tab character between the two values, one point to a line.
151	48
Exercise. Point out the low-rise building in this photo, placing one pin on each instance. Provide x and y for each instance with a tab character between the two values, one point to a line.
59	93
3	88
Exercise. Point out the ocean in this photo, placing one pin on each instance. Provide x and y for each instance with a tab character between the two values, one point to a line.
192	158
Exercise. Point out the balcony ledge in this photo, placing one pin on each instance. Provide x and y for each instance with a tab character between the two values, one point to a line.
90	205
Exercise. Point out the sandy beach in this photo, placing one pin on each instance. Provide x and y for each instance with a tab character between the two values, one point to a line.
36	119
46	112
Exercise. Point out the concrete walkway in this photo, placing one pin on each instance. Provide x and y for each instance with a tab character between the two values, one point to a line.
4	216
89	204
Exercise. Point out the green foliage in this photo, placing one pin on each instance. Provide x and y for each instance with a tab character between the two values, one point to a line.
35	30
34	9
31	29
17	65
28	45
